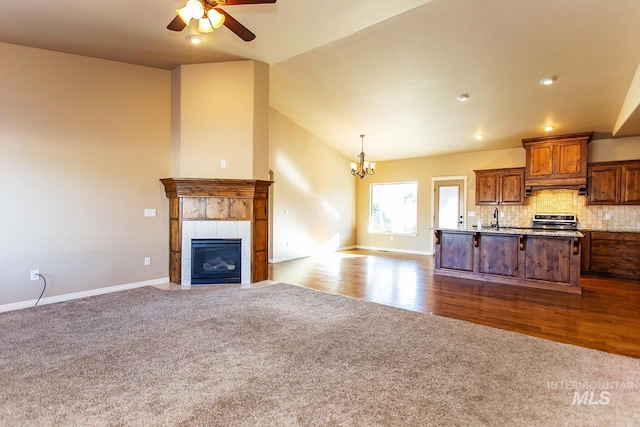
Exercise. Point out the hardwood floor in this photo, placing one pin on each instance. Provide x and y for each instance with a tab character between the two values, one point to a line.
605	317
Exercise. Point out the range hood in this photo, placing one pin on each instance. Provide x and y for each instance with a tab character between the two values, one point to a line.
557	162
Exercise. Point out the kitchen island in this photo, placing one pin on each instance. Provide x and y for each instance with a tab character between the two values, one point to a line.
515	256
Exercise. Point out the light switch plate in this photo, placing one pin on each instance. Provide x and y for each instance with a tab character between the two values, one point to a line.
149	212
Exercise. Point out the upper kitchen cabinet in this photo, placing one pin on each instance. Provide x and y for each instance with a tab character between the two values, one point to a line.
500	186
614	183
556	162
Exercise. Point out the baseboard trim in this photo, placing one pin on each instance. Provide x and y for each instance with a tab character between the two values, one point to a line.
83	294
402	251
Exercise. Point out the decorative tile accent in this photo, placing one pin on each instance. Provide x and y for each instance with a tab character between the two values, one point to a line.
216	230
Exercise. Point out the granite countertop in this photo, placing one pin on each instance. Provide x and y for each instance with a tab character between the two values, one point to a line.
611	230
517	230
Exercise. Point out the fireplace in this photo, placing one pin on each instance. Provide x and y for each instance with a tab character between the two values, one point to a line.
216	261
210	208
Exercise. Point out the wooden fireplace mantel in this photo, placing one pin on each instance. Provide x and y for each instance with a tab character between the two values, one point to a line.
205	187
210	199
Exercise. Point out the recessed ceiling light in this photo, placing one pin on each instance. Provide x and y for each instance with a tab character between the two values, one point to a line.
463	97
548	128
479	136
548	81
194	38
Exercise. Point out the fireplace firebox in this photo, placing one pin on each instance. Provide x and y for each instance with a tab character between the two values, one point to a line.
216	261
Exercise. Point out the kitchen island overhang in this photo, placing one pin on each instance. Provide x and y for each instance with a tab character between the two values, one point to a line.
548	259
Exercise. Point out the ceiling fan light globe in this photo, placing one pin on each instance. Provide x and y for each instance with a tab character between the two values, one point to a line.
192	10
216	18
184	14
204	25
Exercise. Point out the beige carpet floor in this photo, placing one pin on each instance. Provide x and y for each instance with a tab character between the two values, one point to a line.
283	355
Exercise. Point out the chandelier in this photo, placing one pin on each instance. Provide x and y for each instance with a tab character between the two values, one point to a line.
363	168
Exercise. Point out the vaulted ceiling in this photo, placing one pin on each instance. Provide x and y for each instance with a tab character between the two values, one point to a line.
389	70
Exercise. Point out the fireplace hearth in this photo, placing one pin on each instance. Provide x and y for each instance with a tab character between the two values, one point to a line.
216	261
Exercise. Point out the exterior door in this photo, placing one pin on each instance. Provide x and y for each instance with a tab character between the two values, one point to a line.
449	203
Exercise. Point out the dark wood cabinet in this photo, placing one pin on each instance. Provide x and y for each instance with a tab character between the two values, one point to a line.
549	259
630	184
499	255
614	183
500	186
616	254
556	161
525	258
610	253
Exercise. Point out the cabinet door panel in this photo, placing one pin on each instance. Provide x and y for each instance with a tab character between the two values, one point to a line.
630	185
569	159
499	255
604	182
541	163
511	188
456	251
487	188
548	259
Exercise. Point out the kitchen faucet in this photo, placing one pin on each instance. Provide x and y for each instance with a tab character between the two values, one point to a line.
496	214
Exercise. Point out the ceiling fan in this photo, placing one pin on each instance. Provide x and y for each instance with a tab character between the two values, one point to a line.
210	16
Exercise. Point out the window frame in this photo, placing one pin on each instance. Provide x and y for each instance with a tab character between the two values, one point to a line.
370	228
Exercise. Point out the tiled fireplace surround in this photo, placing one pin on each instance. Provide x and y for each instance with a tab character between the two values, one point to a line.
218	208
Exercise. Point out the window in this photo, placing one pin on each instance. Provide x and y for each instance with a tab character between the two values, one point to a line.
394	208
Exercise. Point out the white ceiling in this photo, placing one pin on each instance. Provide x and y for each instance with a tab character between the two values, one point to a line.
389	70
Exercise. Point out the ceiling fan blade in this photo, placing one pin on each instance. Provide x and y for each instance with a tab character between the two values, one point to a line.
234	2
177	24
239	29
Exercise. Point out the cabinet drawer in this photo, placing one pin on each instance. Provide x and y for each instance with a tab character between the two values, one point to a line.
606	235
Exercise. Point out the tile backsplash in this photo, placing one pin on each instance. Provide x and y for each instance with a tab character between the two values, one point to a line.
590	217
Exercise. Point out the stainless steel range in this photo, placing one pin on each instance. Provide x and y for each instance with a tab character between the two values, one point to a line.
555	221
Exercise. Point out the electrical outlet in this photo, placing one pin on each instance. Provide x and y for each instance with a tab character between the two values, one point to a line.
501	214
35	275
147	260
390	237
223	164
471	214
607	215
